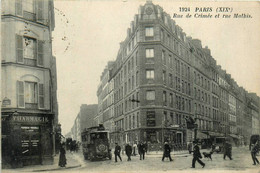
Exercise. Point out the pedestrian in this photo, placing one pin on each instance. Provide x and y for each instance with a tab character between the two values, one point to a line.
167	151
145	147
213	147
196	155
128	151
190	147
134	148
255	150
117	152
62	159
141	150
227	150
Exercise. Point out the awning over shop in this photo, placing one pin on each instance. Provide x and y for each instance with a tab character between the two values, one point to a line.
234	136
215	134
201	135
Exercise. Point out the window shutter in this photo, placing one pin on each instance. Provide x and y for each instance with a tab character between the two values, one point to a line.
18	8
40	45
41	96
20	94
19	49
39	14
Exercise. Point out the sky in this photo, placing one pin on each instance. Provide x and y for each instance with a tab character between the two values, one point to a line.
87	35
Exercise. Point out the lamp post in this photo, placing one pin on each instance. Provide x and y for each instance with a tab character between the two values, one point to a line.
191	124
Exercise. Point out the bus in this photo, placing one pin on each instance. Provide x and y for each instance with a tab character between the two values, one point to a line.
95	143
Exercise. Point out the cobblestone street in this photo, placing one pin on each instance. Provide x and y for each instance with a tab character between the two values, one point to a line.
241	161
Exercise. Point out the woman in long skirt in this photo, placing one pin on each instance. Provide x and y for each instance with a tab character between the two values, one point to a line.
62	160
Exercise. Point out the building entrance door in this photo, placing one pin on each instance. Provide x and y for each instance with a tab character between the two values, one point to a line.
31	150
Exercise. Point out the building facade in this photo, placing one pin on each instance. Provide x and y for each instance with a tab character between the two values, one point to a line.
28	71
84	119
161	76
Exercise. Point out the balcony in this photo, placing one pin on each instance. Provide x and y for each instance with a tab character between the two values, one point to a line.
30	62
29	16
31	105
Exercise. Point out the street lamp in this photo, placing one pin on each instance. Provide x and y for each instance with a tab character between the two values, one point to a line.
191	124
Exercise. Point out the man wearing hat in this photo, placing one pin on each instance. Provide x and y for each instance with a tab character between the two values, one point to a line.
117	152
227	150
196	155
128	151
167	151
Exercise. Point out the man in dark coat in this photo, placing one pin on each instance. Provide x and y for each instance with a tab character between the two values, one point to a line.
128	151
196	155
117	152
254	150
141	150
227	150
167	151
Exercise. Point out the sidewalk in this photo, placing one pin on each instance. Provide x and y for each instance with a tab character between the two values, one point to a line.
72	162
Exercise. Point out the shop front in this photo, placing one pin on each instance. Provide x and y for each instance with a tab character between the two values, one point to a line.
26	139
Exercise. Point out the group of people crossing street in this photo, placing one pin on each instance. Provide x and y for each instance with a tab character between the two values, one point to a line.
141	148
129	150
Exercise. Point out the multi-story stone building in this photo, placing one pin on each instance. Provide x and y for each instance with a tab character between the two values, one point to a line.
105	95
29	102
160	77
84	119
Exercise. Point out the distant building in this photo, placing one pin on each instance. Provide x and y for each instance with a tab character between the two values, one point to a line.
160	77
29	84
84	119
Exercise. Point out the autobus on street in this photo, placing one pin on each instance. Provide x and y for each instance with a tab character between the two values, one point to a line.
95	143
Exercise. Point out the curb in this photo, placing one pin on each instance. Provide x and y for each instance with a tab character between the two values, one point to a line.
54	169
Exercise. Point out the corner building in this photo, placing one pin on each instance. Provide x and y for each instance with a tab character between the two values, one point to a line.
152	80
160	77
28	71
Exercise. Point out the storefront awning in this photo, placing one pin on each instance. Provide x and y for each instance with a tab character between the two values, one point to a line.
201	135
234	136
215	134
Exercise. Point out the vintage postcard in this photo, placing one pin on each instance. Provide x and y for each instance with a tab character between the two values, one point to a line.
130	86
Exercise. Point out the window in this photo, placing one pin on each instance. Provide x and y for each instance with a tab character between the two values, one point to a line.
149	74
28	6
149	53
164	96
170	61
133	83
137	119
137	78
168	39
30	92
150	95
164	76
170	79
133	121
29	48
163	57
136	58
149	31
171	100
162	35
28	52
